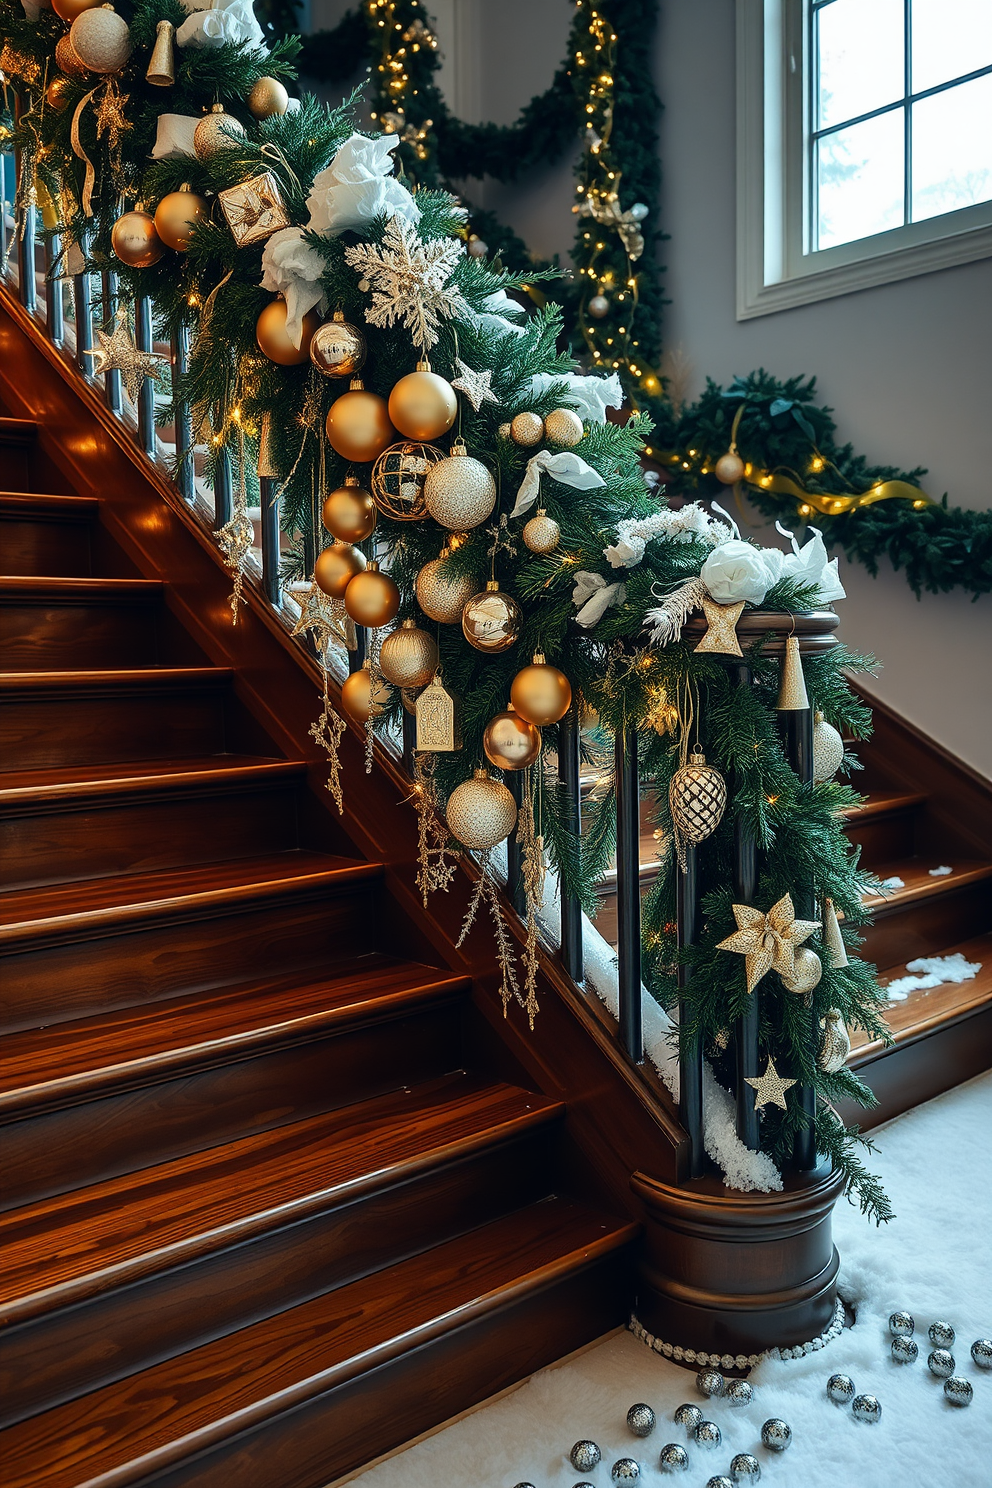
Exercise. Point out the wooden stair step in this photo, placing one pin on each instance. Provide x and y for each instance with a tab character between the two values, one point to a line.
884	825
396	1321
919	884
77	622
927	913
109	682
929	1008
35	506
17	431
50	789
43	590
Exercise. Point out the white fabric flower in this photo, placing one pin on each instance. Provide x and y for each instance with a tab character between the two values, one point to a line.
219	23
593	596
589	396
736	570
292	268
809	565
174	136
357	187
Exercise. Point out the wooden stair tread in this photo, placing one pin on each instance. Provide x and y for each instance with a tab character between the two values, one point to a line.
24	505
68	1062
915	875
21	788
77	1245
162	1415
929	1007
27	587
17	430
883	803
121	679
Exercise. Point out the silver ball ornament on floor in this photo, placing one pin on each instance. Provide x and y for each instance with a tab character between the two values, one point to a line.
904	1350
688	1417
738	1393
941	1363
745	1469
866	1408
585	1455
625	1470
719	1481
776	1434
941	1335
641	1419
673	1458
901	1324
840	1388
710	1382
707	1435
958	1390
981	1352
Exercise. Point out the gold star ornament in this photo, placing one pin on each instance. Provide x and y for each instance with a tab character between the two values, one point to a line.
477	386
769	1088
721	628
117	352
768	941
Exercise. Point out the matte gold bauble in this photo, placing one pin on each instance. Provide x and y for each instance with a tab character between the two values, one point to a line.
541	693
358	426
441	593
68	10
372	598
275	342
349	512
209	136
135	241
101	40
422	405
459	492
510	742
491	620
336	566
542	533
338	349
527	429
57	94
481	812
409	656
359	699
399	477
563	426
66	59
268	97
176	216
729	468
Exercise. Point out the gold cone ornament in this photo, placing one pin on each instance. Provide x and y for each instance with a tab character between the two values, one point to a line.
768	941
527	429
828	749
361	699
792	695
481	812
836	1044
275	342
542	533
491	620
101	40
833	941
336	566
358	425
372	598
510	742
423	405
162	66
176	216
408	657
541	693
213	133
697	799
349	513
399	478
337	348
135	241
459	492
438	730
267	97
563	426
442	594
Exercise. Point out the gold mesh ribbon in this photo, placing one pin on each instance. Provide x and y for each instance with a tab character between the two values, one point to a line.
78	149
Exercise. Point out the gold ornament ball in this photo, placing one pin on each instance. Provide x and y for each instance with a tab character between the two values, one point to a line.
176	216
542	533
491	620
599	306
209	135
409	656
338	349
67	60
443	594
510	742
101	40
563	426
372	598
828	749
806	972
275	342
541	693
481	812
358	426
503	431
57	94
349	512
398	479
729	468
268	97
68	10
527	429
459	491
335	568
423	405
359	699
135	241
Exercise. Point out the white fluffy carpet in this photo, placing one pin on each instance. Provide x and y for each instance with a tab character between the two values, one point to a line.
932	1260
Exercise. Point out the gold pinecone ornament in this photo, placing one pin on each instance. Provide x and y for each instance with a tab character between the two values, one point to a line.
697	799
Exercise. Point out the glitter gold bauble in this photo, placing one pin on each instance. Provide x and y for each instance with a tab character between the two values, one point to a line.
408	657
459	492
358	425
57	94
542	533
176	216
101	40
68	10
66	59
268	97
423	405
729	468
807	970
563	426
135	241
828	749
360	699
527	429
209	136
275	342
399	478
372	598
337	348
349	512
481	812
491	620
441	593
541	693
336	566
510	742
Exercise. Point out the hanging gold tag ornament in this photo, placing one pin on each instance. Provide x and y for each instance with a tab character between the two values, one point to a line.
436	710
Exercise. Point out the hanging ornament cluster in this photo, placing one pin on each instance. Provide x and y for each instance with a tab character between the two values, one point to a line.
349	513
541	693
459	492
338	349
274	339
542	533
491	620
177	214
135	240
442	593
358	425
399	479
423	405
774	941
697	799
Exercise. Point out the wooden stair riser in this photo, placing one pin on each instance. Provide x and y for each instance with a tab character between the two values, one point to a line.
915	1070
925	926
17	441
884	838
57	546
57	633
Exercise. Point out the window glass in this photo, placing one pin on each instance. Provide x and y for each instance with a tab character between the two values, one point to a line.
952	148
950	38
860	180
860	47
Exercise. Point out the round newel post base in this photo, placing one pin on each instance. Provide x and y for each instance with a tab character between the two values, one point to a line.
729	1273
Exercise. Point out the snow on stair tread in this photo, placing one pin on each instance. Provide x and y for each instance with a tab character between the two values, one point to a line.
917	882
928	1007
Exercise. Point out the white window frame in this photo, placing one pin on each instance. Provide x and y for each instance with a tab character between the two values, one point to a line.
774	272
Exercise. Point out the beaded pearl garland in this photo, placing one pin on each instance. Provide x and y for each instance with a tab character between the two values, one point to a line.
738	1361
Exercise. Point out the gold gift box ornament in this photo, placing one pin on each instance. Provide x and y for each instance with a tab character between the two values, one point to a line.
254	210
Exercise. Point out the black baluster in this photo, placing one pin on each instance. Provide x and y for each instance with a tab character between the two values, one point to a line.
82	294
6	160
690	1054
746	1033
271	581
223	505
356	658
514	853
146	395
568	774
185	473
24	231
54	310
112	377
796	726
629	891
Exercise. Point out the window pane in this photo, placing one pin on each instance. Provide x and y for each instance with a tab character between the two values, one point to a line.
950	37
952	149
860	180
860	51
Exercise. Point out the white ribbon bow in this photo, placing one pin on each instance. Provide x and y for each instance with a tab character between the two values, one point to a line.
593	596
567	468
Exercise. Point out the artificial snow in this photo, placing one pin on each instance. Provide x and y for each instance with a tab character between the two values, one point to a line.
895	882
940	872
932	971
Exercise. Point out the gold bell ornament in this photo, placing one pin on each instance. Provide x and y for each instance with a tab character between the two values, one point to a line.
510	742
275	342
828	749
162	66
336	566
527	429
541	693
362	700
408	657
438	731
213	133
836	1043
697	799
349	513
358	426
491	620
563	426
372	598
176	216
792	695
338	349
423	405
135	241
267	97
441	593
101	40
66	59
481	812
68	10
542	533
459	491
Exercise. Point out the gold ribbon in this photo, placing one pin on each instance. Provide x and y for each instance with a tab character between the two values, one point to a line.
80	153
831	505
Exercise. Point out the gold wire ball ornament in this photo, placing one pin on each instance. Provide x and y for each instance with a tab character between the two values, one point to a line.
274	340
541	693
491	620
807	970
360	700
441	593
267	97
423	405
697	799
68	10
542	533
66	59
135	241
57	93
210	134
372	598
836	1043
176	216
338	348
399	480
101	40
828	749
460	492
408	657
729	468
358	426
527	429
481	812
336	566
563	426
349	513
510	742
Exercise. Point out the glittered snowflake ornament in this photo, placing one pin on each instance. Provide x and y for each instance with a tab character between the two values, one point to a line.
410	281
